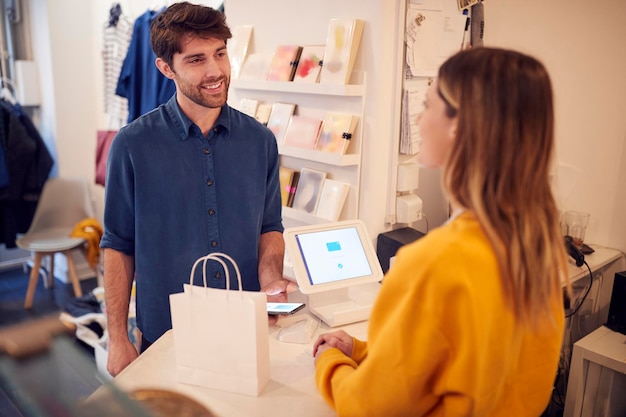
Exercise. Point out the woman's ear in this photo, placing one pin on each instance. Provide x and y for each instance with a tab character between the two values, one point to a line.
453	128
165	68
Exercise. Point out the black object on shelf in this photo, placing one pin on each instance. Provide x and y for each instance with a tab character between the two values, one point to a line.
388	244
617	307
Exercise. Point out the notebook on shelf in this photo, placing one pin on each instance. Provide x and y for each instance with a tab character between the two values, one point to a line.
279	119
285	176
255	67
309	64
263	111
337	132
332	199
302	132
248	106
308	190
238	48
283	64
342	44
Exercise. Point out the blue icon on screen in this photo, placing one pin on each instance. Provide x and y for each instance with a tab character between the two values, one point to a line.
333	246
339	266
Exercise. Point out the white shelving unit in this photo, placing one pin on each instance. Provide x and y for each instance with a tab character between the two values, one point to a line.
356	90
316	100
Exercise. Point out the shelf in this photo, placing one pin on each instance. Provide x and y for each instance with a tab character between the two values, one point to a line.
314	99
320	156
355	90
597	260
303	216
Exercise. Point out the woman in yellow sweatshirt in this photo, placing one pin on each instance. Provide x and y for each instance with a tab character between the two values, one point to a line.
469	319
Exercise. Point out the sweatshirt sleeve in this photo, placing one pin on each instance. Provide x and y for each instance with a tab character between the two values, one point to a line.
359	350
393	371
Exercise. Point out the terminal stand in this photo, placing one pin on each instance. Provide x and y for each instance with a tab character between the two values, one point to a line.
344	305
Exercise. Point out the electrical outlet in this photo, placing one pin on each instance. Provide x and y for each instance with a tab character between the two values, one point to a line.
408	208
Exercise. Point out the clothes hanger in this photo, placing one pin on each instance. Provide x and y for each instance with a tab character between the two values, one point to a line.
5	92
114	14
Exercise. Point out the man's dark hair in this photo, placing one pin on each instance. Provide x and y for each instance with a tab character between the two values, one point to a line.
185	19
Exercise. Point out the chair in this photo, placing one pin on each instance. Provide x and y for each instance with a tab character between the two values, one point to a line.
63	203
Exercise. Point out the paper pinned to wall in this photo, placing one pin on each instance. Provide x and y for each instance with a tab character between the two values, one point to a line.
434	31
413	103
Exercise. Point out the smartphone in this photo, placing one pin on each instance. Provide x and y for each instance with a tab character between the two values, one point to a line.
284	308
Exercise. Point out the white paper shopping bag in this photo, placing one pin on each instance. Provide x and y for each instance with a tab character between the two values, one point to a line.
221	336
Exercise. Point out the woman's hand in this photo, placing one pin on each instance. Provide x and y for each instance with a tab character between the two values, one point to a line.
339	339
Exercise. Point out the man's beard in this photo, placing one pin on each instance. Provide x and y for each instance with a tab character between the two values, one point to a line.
199	95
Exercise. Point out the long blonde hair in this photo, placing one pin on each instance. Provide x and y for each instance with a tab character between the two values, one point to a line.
499	167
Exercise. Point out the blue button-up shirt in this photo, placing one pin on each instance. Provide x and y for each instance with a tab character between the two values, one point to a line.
173	195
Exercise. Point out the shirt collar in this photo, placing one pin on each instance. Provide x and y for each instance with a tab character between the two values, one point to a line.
183	123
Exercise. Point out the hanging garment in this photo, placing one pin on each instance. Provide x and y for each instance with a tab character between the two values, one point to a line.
104	138
140	80
28	163
4	171
116	38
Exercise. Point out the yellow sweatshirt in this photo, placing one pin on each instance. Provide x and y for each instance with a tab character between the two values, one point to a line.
90	230
442	341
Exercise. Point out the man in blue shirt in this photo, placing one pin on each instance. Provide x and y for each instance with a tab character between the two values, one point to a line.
191	177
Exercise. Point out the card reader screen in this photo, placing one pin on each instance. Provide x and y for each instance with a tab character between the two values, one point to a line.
333	255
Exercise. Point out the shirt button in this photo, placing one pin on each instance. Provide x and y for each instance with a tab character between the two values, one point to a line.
209	182
211	212
207	151
213	244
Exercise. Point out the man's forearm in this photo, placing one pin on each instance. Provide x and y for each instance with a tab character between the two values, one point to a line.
119	271
271	256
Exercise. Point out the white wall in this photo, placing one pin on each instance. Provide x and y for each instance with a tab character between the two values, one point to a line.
63	47
580	45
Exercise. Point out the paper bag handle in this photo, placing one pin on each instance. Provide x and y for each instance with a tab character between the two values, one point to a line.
217	256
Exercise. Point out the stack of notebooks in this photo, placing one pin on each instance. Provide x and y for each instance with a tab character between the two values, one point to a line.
332	134
288	182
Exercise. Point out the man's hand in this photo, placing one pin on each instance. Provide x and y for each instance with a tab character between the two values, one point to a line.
121	354
277	290
277	293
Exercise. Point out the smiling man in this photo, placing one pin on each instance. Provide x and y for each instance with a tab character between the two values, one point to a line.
191	177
